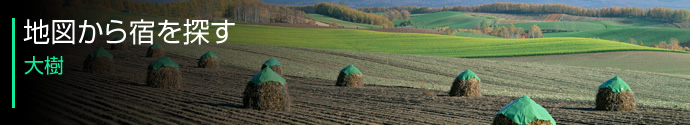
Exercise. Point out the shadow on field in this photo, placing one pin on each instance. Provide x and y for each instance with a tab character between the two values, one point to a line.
216	104
130	83
583	109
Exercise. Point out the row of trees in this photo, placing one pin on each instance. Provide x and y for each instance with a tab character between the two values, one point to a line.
411	9
395	15
673	44
252	11
352	15
657	13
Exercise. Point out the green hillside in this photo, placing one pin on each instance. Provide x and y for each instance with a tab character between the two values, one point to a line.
422	44
446	18
648	35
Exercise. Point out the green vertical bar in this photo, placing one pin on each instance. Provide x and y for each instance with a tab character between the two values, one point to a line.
13	63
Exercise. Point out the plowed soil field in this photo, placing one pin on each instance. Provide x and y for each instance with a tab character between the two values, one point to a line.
213	96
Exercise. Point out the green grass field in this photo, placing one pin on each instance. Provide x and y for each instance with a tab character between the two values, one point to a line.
565	25
454	20
422	44
648	35
475	35
347	24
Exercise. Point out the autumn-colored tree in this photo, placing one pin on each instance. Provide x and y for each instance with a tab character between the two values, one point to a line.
534	32
333	23
349	14
662	44
405	14
632	41
673	44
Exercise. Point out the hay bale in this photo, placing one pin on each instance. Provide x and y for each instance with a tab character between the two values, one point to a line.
466	84
466	88
277	69
615	95
274	65
164	73
99	61
271	96
523	111
155	51
503	120
350	76
623	101
352	80
266	91
208	60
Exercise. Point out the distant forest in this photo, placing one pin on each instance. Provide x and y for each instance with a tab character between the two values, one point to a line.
657	13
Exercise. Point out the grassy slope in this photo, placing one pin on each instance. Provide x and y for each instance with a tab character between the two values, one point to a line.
446	18
347	24
566	25
475	35
422	44
648	31
501	78
648	35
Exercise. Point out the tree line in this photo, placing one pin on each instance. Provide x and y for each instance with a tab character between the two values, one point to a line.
352	15
657	13
395	15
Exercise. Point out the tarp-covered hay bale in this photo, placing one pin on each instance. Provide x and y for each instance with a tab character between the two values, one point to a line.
99	61
350	76
523	111
274	65
615	95
208	60
164	73
466	84
155	51
119	46
266	91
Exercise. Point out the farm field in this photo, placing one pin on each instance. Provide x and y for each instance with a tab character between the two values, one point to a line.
213	96
553	17
618	29
454	20
346	24
420	44
648	35
658	62
474	35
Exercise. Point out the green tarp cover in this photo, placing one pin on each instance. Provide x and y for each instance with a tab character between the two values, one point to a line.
616	85
524	110
272	62
163	62
266	75
156	45
209	54
351	69
468	74
101	52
